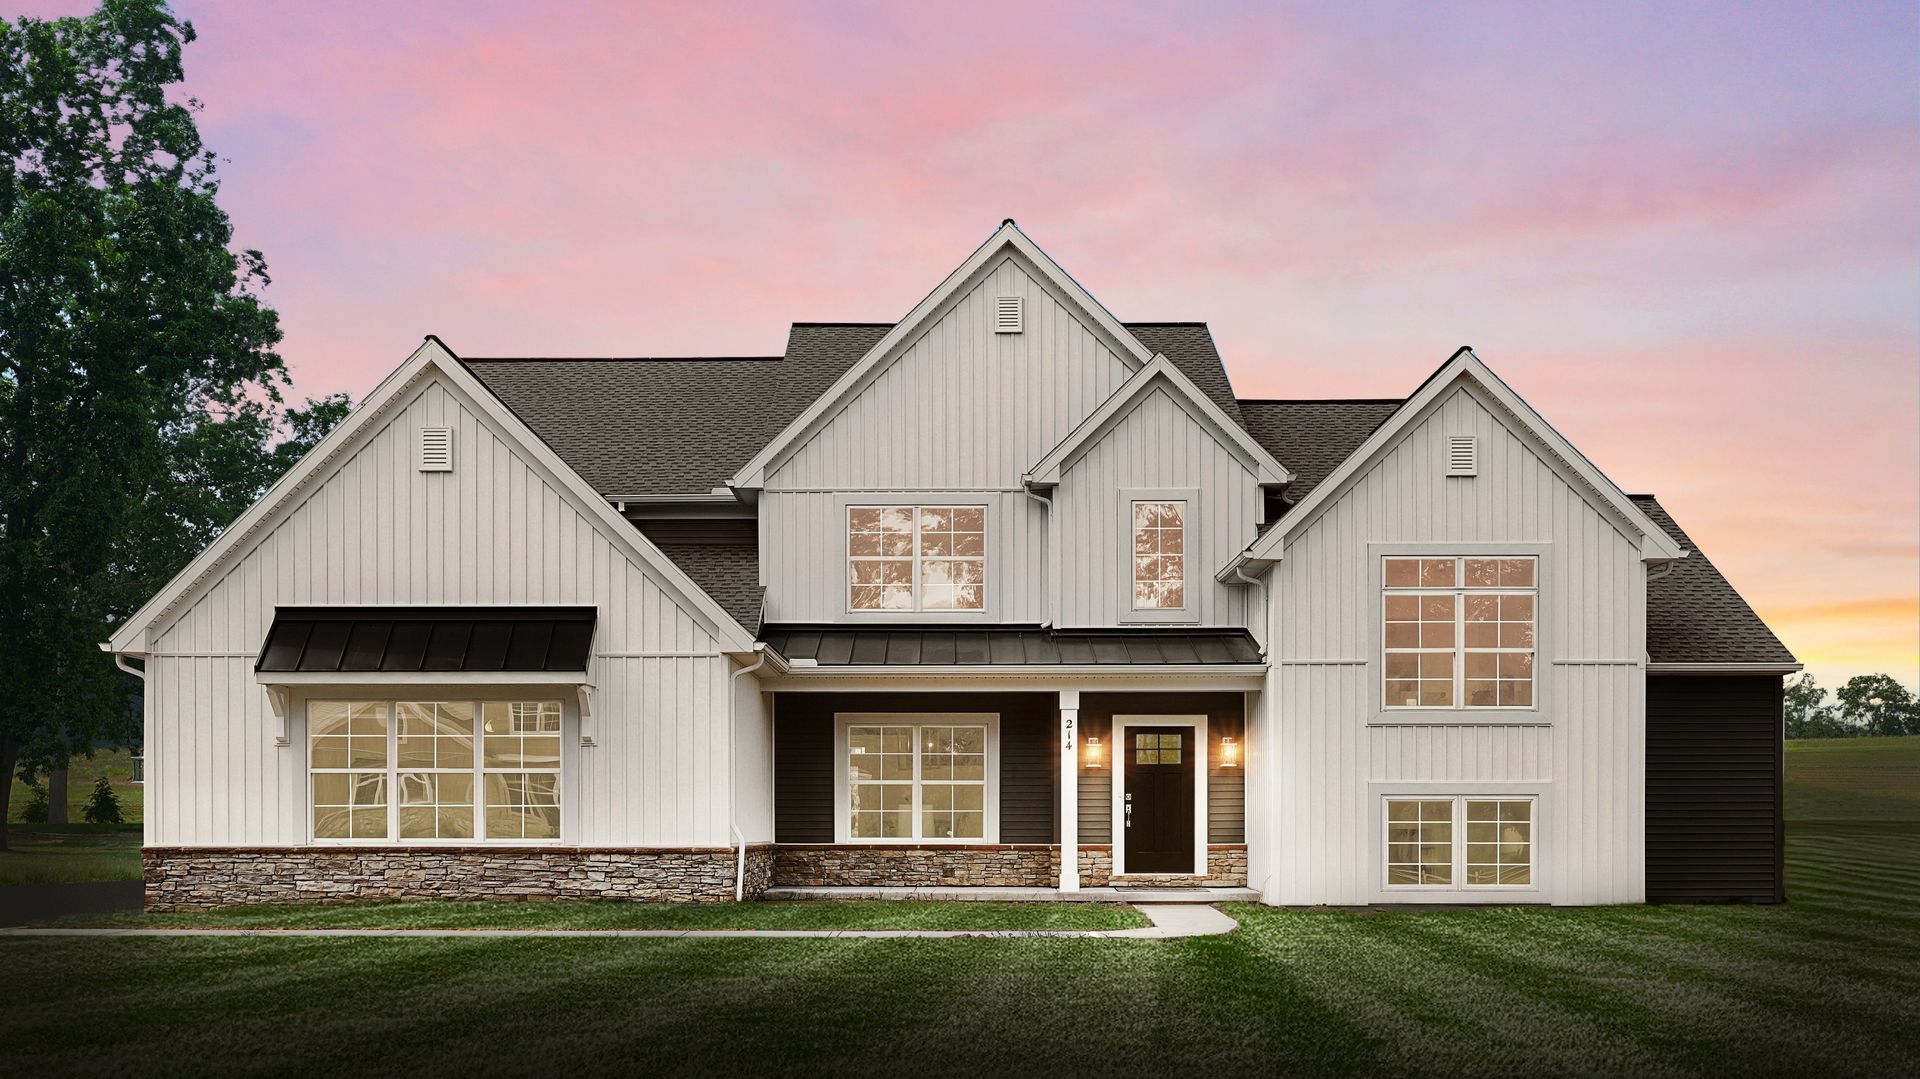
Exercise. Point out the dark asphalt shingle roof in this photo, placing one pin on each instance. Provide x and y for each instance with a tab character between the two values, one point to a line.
838	645
727	570
1693	613
638	427
1312	437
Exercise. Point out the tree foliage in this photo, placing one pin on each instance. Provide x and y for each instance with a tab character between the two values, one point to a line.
1869	704
140	389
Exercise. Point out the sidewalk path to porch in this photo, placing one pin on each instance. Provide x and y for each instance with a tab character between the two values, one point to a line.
1169	921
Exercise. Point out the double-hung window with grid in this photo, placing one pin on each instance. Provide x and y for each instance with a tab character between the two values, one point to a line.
916	558
1458	632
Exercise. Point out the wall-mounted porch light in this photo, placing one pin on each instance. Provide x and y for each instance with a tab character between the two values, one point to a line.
1229	753
1095	753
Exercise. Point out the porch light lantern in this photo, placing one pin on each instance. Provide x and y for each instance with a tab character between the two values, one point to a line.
1229	752
1095	752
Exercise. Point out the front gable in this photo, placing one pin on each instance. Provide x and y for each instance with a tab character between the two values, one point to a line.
357	521
1504	420
946	399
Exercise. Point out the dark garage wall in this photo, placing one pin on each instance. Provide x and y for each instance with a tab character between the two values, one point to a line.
1715	755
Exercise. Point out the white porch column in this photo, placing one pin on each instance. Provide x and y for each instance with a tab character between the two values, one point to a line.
1069	790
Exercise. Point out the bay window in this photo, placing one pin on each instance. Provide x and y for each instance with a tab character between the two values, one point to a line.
1458	632
425	771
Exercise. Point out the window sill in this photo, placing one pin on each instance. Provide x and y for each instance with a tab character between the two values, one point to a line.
1460	717
1184	616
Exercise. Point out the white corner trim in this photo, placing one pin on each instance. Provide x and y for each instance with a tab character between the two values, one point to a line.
1007	237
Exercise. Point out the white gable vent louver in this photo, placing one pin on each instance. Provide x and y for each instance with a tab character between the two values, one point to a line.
1008	312
436	449
1463	455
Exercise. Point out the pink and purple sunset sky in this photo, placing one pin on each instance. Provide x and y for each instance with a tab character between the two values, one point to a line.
1688	234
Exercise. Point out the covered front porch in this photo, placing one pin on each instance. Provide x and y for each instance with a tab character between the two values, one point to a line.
1102	784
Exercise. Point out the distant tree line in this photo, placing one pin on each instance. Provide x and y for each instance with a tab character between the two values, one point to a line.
1869	704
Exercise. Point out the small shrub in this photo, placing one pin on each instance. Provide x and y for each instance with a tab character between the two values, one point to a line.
35	811
103	806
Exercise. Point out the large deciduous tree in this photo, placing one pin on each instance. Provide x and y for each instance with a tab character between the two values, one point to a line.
140	390
1878	704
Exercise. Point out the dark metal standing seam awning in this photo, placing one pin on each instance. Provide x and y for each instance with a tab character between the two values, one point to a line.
990	646
400	639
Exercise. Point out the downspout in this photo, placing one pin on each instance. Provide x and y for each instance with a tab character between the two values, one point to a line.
733	769
1053	554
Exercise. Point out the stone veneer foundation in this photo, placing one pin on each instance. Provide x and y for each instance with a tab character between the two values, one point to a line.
993	865
200	878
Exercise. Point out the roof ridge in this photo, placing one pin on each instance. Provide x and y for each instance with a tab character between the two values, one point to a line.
869	324
1154	322
1320	400
615	359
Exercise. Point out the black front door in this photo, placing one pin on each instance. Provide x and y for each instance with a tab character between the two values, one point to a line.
1157	802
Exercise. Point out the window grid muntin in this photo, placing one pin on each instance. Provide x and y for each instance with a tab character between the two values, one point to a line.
520	785
1162	561
965	547
1457	584
916	783
1460	815
427	784
391	778
362	795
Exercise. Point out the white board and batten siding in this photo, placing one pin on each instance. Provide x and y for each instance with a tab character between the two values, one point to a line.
957	417
1582	750
1156	446
495	529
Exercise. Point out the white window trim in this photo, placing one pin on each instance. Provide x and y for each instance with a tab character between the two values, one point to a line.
1535	714
1190	544
842	809
395	696
1202	763
915	500
1539	792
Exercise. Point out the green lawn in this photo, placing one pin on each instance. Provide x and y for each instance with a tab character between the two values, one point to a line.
116	765
1825	982
1854	779
38	854
866	914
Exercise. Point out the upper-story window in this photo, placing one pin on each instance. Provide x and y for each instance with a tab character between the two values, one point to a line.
1159	555
1458	632
916	558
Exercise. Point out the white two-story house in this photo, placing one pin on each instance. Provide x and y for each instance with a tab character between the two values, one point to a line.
1007	593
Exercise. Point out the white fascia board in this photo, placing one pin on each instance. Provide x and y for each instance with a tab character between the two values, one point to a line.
132	637
1725	668
1159	372
1007	236
1655	546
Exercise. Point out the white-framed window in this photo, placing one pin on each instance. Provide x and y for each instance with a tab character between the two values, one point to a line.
918	778
916	558
1159	554
1455	842
1458	632
415	771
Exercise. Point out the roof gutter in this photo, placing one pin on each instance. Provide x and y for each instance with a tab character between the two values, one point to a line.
1725	668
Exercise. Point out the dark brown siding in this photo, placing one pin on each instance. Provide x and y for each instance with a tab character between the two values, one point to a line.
803	757
1714	799
1226	787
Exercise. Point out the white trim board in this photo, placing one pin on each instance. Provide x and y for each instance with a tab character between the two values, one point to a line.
1511	409
1158	374
1202	742
135	636
1006	241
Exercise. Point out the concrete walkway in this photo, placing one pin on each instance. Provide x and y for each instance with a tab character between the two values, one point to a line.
1134	894
1169	921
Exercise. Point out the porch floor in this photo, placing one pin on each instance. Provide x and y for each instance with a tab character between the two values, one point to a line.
1022	895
